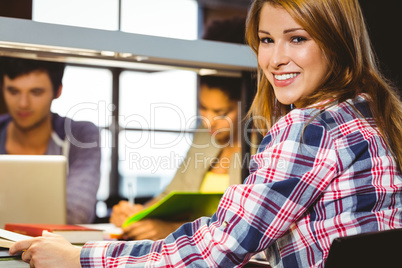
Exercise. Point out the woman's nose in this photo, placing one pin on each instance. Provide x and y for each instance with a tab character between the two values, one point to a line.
279	56
208	119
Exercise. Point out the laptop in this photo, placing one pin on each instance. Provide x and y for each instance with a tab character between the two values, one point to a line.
374	249
33	189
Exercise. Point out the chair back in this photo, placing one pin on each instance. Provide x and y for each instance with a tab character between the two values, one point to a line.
376	249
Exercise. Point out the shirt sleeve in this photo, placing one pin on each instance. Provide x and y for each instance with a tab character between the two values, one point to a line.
294	165
84	173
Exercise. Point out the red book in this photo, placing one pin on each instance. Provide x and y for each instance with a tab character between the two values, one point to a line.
75	234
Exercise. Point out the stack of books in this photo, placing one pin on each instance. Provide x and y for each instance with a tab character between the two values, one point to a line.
75	234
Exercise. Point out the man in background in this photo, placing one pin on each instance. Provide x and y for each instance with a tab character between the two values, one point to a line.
30	128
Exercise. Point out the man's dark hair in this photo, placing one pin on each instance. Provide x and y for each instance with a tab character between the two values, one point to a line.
14	67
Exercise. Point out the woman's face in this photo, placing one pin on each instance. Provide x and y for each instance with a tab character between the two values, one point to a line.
290	59
219	114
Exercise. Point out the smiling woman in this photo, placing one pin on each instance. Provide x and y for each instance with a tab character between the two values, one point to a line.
290	58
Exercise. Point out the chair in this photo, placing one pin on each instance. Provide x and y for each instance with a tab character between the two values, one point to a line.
376	249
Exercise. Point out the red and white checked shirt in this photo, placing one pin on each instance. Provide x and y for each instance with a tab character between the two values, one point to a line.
312	180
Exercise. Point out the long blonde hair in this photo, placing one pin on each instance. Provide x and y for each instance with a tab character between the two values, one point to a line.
339	28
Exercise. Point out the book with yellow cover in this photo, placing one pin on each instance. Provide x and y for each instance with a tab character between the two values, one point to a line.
179	206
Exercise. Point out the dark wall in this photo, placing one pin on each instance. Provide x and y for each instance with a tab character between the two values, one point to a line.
16	9
21	9
384	22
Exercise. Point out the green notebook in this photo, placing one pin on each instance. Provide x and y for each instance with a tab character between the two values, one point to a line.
179	206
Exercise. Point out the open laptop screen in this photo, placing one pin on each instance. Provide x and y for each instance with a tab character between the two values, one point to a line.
32	189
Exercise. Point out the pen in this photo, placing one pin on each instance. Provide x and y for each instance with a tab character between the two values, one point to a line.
131	193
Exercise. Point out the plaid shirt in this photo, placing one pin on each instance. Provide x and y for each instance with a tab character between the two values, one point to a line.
317	175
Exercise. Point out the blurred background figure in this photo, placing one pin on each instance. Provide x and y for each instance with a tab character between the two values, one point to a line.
29	88
214	160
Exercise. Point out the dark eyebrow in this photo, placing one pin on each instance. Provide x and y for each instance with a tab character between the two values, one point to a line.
10	88
264	32
223	110
293	30
285	31
37	88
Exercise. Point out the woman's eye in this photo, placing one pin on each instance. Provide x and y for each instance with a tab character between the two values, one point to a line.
266	40
298	39
222	115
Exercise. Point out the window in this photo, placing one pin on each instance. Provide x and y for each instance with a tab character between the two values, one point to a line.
157	106
99	14
87	96
174	18
161	101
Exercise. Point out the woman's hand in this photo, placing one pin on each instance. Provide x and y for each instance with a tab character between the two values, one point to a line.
49	250
122	211
150	229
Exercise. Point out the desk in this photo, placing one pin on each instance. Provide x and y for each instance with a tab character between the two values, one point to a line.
10	263
110	233
13	263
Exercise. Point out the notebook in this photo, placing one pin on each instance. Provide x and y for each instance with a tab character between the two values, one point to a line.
32	189
186	206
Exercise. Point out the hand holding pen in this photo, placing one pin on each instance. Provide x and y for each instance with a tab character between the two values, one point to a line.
125	209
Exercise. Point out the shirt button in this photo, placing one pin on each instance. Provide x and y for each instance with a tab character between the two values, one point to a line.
224	224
